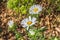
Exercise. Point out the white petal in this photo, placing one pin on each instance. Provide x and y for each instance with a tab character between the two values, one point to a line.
29	18
33	19
24	26
26	20
39	8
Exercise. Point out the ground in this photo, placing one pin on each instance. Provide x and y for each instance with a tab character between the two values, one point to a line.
51	21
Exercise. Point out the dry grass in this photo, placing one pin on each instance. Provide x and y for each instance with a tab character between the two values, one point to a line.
50	21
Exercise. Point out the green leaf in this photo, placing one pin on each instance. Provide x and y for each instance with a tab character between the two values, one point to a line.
31	0
24	12
23	9
16	9
26	1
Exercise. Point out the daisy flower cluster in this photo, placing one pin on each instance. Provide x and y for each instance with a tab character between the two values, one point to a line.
29	21
35	9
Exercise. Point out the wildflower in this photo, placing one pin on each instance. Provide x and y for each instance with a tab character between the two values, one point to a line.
35	9
10	23
28	22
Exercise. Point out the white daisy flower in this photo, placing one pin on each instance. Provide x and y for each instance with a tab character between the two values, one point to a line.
35	9
31	32
10	23
28	22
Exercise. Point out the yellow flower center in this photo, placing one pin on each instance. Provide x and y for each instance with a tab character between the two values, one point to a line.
29	22
35	9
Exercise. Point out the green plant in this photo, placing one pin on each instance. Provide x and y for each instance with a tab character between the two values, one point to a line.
18	36
37	35
20	6
12	4
54	38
